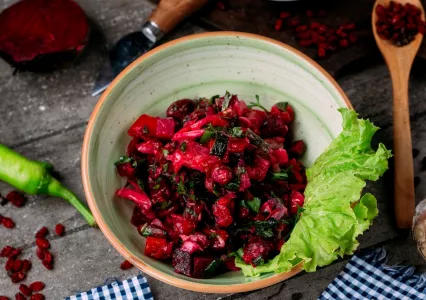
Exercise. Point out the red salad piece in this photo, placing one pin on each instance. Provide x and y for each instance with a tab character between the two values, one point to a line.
215	176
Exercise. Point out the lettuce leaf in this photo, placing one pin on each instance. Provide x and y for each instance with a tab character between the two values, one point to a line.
335	213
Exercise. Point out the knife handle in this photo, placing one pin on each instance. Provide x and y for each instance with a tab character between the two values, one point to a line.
169	13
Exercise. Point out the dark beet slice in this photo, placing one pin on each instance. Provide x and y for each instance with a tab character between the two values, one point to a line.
200	266
40	35
182	262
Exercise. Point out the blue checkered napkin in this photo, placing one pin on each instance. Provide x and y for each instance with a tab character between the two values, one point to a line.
130	289
367	277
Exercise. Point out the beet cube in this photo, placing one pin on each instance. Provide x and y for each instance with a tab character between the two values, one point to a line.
182	262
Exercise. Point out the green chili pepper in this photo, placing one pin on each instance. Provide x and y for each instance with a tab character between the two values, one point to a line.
33	177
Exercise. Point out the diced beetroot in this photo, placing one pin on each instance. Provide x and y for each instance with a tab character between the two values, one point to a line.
199	238
239	108
214	120
243	213
274	126
182	225
181	108
256	118
126	170
195	157
257	248
244	122
161	128
222	175
191	247
229	263
165	128
218	236
194	210
182	262
273	208
223	210
140	199
287	114
297	200
158	248
138	217
200	264
149	147
298	148
244	182
259	169
237	145
281	156
188	135
296	171
274	144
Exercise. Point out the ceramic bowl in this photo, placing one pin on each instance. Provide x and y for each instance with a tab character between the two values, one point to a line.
192	67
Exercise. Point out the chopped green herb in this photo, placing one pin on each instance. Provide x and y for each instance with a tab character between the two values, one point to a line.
257	104
208	134
181	189
165	152
212	268
165	167
156	187
163	205
263	228
191	212
282	106
183	146
232	186
226	100
254	204
213	99
140	184
213	235
123	159
280	176
237	132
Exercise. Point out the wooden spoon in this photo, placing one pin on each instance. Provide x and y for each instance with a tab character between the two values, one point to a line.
399	61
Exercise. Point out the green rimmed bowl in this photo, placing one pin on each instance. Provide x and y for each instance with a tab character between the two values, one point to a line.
196	66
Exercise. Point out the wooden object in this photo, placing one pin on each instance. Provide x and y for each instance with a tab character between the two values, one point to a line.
399	61
171	12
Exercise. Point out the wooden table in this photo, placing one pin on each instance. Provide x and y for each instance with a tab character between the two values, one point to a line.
44	117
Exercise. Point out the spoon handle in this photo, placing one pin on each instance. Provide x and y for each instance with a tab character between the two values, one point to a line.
169	13
404	174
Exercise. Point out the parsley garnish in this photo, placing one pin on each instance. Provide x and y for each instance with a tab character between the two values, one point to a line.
257	104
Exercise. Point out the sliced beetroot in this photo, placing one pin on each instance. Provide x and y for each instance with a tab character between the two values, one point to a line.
298	148
161	128
41	34
200	265
182	262
6	251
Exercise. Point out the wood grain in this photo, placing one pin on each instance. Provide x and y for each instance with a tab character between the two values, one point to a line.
399	61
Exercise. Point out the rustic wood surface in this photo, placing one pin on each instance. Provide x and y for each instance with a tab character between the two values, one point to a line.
44	116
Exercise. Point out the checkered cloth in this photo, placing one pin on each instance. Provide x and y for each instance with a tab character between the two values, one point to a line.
367	277
131	289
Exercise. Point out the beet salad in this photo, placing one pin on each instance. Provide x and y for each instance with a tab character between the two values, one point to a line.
214	176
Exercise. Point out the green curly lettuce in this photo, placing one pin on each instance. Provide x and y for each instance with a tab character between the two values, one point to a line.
335	213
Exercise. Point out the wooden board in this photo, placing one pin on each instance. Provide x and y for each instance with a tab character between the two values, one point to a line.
258	16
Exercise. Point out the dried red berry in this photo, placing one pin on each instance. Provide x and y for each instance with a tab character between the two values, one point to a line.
293	22
353	38
4	298
60	229
37	286
15	253
322	29
309	13
278	24
19	296
304	35
284	15
125	265
220	5
321	52
17	265
48	257
26	265
17	277
343	43
41	234
7	222
301	28
37	297
16	199
43	243
40	253
6	251
305	43
348	27
47	265
341	33
9	264
25	289
314	25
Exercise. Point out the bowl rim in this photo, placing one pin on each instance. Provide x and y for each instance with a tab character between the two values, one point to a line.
174	281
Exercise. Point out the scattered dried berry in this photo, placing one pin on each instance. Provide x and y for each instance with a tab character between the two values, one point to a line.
60	229
17	277
47	265
37	286
41	234
17	265
40	253
9	264
220	5
26	265
125	265
7	222
42	243
4	298
6	251
19	296
278	24
15	253
37	297
16	199
25	289
48	257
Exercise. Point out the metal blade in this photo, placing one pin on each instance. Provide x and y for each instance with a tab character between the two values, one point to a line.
105	76
126	51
